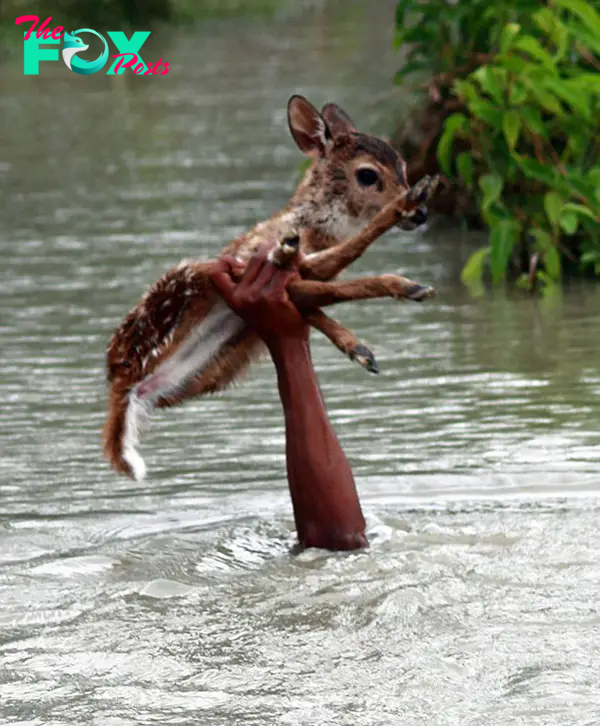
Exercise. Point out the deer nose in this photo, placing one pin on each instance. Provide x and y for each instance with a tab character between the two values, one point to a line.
419	216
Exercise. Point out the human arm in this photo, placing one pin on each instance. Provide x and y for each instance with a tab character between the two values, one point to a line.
326	507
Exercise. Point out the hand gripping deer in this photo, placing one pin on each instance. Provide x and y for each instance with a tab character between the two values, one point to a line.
181	340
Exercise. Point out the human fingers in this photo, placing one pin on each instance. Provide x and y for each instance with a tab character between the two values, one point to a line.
279	282
221	264
263	280
225	285
233	265
256	264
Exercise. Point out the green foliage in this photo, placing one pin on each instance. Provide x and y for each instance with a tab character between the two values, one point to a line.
522	79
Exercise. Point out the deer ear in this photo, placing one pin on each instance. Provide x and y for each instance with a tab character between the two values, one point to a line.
337	120
308	128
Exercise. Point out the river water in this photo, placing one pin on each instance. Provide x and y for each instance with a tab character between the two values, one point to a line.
177	600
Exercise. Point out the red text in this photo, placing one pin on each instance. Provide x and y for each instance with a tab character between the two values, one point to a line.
43	31
137	67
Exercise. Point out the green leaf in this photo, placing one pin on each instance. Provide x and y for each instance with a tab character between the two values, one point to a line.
552	262
530	45
544	19
490	82
511	125
536	170
578	184
464	165
517	93
577	145
544	97
533	119
514	63
553	205
569	221
549	253
491	186
472	273
466	90
585	37
587	81
444	149
549	289
580	209
505	234
399	37
584	10
401	7
594	178
509	32
547	20
573	96
590	258
408	69
487	112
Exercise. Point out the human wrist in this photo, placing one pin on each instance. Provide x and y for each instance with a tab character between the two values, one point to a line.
282	347
293	364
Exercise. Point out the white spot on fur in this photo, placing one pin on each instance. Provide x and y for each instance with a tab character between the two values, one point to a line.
136	419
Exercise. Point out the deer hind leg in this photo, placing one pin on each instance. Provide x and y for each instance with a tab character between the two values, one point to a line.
308	294
228	366
237	355
130	409
343	339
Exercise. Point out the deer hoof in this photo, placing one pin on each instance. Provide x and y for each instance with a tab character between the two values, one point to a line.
363	356
418	293
423	189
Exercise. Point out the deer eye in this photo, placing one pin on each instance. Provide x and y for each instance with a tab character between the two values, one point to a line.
366	177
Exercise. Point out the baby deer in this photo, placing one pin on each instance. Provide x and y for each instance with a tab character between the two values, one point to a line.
181	340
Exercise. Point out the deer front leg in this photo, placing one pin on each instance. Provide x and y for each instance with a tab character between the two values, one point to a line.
327	264
343	339
308	294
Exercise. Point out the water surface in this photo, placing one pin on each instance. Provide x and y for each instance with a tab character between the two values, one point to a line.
176	600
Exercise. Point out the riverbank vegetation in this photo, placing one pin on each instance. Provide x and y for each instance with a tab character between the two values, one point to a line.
509	111
507	107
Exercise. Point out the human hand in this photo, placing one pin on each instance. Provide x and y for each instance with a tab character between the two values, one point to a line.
260	297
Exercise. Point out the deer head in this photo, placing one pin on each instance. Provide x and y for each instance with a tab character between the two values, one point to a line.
353	175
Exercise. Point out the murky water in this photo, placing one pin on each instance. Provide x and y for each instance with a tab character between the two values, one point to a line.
176	601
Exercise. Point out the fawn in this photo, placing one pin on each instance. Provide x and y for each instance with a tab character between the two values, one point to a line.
181	340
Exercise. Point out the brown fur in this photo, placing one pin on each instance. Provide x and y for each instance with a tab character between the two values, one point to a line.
328	205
